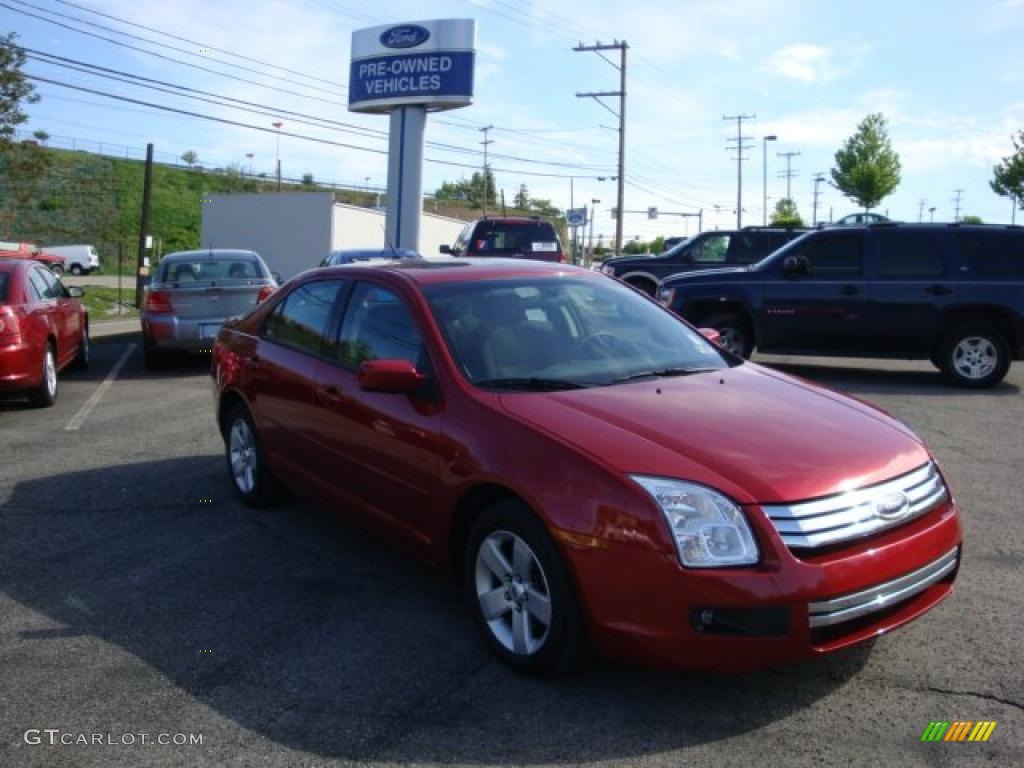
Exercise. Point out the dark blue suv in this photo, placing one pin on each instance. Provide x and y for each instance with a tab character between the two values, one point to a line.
949	293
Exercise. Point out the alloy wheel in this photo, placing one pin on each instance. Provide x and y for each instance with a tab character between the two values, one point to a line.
242	447
513	593
975	357
50	372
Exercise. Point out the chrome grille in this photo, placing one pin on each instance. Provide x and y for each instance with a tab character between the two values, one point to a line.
858	513
881	596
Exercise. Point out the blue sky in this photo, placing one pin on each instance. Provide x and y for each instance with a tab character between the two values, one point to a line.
948	75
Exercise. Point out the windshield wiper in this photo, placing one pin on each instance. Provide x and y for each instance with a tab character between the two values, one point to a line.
530	384
662	372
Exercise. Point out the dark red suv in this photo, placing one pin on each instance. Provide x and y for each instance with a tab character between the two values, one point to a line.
521	238
595	472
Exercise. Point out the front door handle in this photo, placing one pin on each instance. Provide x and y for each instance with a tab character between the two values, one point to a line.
849	290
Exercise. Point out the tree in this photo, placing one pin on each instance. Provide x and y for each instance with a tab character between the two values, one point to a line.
469	191
867	168
971	220
189	157
522	198
14	87
41	136
1008	176
786	214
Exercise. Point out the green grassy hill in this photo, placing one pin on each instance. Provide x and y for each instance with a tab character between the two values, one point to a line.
57	196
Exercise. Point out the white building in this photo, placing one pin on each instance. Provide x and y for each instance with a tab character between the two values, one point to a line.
293	231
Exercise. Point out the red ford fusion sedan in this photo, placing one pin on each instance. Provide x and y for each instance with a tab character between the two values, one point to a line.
596	473
43	329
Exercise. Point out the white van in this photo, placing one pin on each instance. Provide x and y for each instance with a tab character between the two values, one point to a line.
78	259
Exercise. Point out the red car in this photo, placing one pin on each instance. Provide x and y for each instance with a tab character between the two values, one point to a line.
595	472
33	252
43	329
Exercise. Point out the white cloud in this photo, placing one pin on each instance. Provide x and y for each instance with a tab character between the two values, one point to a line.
804	62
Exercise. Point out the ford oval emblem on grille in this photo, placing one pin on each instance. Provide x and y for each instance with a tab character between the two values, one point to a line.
892	506
405	36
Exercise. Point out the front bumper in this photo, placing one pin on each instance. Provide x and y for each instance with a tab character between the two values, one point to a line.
645	608
168	331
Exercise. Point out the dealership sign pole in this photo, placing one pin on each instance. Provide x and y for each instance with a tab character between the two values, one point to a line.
407	70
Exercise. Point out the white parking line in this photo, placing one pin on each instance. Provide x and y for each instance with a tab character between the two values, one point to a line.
83	413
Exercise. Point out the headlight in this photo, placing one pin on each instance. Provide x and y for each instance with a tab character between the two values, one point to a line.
710	531
608	269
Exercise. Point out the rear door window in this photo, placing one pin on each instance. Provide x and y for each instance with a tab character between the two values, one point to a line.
302	319
909	254
994	255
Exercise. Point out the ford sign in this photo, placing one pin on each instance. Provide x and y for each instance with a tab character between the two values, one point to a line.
404	36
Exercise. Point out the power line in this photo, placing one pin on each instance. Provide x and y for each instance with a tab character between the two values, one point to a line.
789	172
316	139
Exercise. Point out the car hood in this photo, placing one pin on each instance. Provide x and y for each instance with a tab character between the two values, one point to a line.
757	435
707	275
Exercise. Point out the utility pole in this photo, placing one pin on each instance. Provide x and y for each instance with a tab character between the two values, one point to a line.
920	210
790	173
764	177
818	178
485	142
621	47
147	186
278	153
593	210
956	202
740	147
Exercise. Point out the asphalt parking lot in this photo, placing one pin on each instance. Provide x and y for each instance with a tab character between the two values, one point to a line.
138	597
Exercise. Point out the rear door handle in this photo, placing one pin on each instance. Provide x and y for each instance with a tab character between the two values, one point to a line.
849	290
938	290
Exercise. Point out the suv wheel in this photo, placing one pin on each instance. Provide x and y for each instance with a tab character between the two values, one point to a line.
735	332
974	356
520	592
646	286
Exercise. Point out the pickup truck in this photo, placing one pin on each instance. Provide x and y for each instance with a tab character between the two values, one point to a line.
22	250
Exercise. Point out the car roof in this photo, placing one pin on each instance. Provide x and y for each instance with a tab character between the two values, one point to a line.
9	263
431	271
514	219
375	253
207	253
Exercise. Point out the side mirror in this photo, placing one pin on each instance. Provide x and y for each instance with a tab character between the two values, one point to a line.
711	335
398	377
74	291
796	265
445	249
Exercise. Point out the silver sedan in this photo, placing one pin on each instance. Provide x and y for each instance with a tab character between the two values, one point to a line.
194	293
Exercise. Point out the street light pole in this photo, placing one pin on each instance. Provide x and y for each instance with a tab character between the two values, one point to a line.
764	176
593	210
278	154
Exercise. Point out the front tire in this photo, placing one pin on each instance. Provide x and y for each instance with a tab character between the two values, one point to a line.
974	356
76	269
250	474
644	286
521	593
737	336
45	395
57	269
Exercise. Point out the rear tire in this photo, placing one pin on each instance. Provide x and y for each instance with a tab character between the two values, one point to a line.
57	269
737	336
76	269
974	355
521	594
84	351
250	474
45	395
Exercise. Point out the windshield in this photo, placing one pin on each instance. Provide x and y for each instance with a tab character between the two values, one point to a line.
549	333
514	237
216	269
